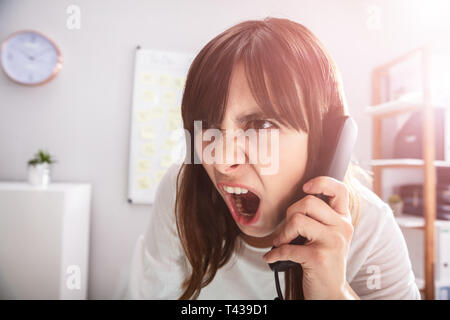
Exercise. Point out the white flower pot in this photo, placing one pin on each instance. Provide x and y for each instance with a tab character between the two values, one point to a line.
39	175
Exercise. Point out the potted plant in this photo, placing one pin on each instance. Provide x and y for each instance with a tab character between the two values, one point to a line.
39	169
396	204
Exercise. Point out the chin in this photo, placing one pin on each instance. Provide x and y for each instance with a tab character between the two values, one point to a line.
258	231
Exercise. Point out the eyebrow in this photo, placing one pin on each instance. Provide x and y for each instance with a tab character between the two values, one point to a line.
256	115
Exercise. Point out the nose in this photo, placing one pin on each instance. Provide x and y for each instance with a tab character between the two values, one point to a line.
233	156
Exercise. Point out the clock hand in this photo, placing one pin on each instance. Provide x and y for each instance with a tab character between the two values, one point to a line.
23	52
41	53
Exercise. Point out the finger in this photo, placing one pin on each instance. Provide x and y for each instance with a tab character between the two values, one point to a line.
333	188
300	225
299	254
315	208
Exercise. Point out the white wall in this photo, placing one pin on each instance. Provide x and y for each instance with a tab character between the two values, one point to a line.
83	115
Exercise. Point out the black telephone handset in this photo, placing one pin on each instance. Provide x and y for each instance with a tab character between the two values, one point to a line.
339	139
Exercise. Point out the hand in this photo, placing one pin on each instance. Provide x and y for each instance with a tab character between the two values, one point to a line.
328	229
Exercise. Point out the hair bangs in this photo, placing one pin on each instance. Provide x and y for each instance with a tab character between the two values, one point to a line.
273	72
273	83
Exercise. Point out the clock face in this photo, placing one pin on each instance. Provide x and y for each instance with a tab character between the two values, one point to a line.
30	58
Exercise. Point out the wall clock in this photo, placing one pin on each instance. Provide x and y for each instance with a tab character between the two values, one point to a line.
30	58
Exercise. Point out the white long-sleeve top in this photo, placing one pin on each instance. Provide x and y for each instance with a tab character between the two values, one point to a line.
378	265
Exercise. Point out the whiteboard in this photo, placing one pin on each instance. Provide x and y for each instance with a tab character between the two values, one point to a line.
156	140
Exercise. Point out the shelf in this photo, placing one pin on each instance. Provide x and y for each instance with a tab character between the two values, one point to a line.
406	163
420	282
392	108
416	222
409	221
407	103
420	100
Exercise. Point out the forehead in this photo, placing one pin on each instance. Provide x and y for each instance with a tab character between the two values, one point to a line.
240	98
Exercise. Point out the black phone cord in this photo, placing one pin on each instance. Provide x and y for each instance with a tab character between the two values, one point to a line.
277	284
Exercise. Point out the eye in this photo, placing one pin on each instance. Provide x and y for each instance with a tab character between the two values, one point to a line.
262	124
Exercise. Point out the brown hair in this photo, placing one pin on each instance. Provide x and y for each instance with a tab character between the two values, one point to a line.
295	81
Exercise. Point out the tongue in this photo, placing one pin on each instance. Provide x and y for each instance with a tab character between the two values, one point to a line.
250	202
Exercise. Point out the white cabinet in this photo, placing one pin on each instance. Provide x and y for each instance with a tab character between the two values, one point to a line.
44	241
412	229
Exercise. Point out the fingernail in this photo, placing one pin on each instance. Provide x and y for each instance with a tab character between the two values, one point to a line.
276	242
307	186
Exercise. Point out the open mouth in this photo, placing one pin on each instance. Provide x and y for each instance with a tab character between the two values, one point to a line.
243	203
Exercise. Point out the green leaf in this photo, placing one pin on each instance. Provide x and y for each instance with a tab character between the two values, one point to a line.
41	157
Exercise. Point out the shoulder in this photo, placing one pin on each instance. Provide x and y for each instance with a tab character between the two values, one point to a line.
374	217
167	186
378	262
159	266
373	211
162	217
166	191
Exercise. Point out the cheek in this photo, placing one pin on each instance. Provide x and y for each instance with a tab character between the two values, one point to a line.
293	155
290	151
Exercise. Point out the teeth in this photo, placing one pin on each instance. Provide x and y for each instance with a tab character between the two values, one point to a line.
235	190
247	214
237	200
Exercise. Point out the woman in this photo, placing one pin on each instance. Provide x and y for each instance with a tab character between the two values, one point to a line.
213	224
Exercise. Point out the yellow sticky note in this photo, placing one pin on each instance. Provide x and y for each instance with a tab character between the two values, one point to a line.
157	112
179	82
143	182
159	175
149	96
164	80
174	111
148	150
169	143
169	98
166	160
147	78
143	166
147	133
173	124
143	116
